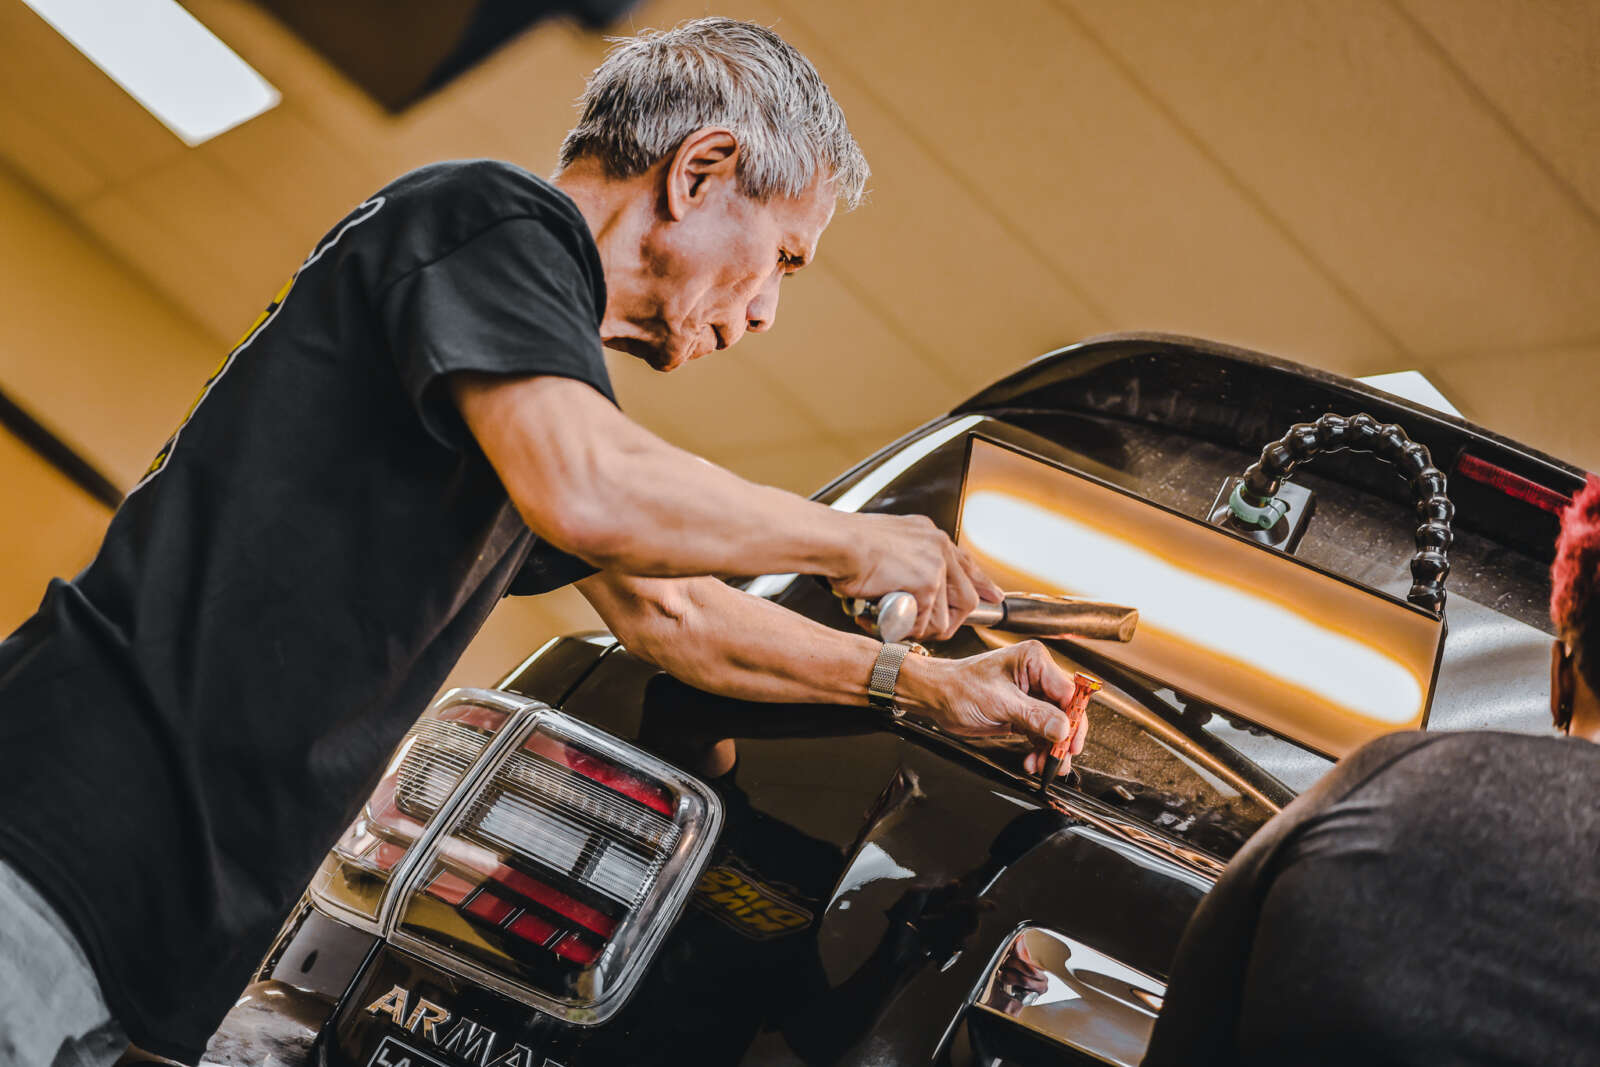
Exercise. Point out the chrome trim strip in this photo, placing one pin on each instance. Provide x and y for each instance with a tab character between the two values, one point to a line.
1158	846
405	871
513	706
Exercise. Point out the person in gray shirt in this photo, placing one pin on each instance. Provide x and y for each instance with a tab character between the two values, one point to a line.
1434	899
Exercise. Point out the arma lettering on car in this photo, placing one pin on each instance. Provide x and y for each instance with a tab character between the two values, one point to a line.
451	1032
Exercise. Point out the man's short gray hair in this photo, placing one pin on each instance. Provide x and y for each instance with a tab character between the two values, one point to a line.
655	89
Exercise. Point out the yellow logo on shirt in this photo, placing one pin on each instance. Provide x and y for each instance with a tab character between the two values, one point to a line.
364	212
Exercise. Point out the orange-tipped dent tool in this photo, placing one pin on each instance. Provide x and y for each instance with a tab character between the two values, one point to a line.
1083	687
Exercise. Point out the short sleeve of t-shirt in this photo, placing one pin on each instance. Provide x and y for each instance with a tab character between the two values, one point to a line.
513	299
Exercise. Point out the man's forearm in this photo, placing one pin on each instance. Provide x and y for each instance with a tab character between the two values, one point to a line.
687	516
724	641
595	483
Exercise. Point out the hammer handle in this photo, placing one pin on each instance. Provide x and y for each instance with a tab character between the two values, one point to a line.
1041	616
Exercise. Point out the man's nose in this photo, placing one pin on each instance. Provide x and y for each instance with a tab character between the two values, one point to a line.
763	310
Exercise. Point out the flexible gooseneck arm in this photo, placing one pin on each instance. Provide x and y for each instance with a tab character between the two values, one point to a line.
1362	433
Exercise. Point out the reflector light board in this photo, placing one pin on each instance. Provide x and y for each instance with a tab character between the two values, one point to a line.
1301	651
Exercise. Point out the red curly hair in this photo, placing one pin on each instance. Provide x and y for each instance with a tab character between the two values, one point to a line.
1575	578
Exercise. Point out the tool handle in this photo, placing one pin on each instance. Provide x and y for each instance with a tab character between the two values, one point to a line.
1045	616
894	615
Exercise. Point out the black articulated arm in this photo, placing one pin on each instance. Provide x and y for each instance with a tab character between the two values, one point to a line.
1362	433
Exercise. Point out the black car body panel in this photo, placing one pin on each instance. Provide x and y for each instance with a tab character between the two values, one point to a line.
870	873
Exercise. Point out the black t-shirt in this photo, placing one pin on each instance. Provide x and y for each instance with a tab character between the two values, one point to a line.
190	723
1435	899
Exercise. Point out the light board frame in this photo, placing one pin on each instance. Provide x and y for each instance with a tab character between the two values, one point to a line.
1398	641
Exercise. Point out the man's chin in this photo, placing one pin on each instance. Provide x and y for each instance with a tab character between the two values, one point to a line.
657	358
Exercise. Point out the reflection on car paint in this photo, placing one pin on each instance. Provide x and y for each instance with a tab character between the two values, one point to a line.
749	907
1073	995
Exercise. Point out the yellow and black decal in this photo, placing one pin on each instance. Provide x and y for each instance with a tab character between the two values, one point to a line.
753	909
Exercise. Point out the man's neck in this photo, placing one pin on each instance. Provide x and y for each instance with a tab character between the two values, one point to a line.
620	214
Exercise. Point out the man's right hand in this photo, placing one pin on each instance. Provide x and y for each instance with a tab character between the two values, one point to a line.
910	553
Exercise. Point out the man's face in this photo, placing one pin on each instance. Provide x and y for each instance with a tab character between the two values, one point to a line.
715	273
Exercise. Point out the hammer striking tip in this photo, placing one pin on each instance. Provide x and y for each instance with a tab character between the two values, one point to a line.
1052	767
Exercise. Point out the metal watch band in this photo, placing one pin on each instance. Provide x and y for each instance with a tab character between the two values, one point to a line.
885	672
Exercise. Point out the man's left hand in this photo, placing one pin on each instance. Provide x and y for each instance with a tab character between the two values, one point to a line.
1018	690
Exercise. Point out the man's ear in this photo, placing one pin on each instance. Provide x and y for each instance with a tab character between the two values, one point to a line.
705	160
1562	687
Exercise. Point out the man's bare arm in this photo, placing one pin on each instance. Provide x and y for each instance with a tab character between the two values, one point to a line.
728	642
593	482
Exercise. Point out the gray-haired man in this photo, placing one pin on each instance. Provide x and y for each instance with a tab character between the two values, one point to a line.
420	421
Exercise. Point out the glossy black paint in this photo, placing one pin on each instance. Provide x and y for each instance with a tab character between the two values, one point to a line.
910	857
1234	397
913	867
557	668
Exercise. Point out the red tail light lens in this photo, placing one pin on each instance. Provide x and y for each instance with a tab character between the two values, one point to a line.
558	873
434	756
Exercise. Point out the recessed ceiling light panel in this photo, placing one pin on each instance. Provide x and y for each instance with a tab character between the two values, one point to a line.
166	60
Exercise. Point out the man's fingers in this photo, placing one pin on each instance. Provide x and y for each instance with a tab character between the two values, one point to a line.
933	613
981	582
939	617
1042	721
1045	676
963	594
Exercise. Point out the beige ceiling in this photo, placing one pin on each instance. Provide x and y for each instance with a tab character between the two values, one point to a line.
1365	185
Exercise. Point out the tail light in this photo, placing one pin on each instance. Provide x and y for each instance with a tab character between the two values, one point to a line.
434	756
560	871
525	850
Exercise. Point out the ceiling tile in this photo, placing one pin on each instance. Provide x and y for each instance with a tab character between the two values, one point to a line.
802	468
296	173
929	251
1546	399
191	278
45	159
324	97
62	91
717	402
1030	111
842	363
526	93
1539	65
87	346
63	528
220	228
1347	125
